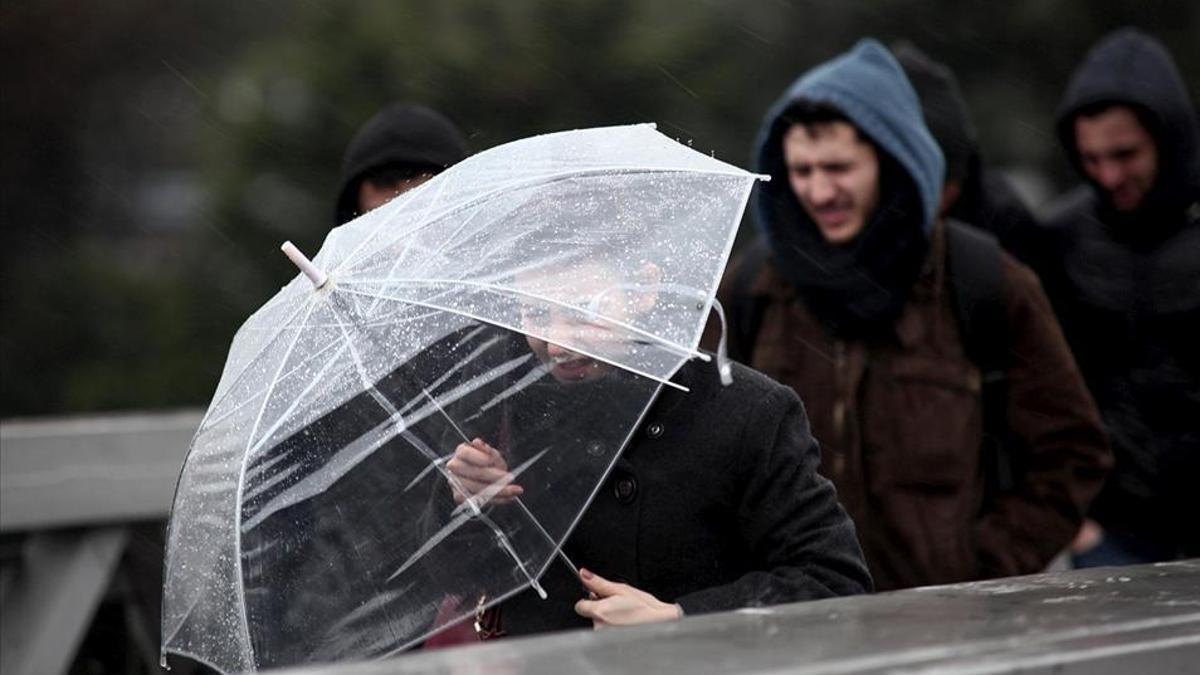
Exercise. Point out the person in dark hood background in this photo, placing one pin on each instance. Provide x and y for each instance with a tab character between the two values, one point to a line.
1126	285
399	148
973	193
849	304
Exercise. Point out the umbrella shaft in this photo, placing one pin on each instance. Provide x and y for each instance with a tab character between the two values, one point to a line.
561	553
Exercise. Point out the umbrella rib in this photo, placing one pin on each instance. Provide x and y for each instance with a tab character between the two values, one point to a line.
530	377
384	401
168	638
255	394
597	357
377	322
436	464
399	232
237	516
502	369
375	440
492	490
437	251
459	391
279	298
375	393
316	379
671	346
393	210
304	488
485	495
236	378
520	184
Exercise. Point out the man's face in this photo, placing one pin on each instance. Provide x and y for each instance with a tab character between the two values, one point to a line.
835	175
371	196
1118	154
565	365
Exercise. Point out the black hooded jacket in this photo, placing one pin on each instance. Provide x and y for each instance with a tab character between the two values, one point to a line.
402	135
987	200
1126	287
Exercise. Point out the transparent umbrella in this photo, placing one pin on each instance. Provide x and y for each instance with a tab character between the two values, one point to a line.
535	297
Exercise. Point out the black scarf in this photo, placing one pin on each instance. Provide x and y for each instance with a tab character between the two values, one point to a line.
857	289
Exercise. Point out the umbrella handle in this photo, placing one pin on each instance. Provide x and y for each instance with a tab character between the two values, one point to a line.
316	276
723	367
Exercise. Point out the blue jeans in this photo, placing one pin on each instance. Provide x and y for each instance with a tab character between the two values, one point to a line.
1118	549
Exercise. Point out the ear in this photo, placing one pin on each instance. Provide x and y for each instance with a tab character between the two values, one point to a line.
951	191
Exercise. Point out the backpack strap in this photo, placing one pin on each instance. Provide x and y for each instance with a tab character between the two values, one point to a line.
976	276
745	309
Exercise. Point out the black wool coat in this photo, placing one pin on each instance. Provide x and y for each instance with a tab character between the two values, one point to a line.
716	504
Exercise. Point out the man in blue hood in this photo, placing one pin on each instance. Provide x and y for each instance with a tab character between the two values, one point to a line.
1123	269
850	302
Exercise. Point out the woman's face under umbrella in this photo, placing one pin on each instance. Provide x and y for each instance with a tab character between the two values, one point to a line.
598	286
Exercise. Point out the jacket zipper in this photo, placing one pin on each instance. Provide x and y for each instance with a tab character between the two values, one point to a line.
839	403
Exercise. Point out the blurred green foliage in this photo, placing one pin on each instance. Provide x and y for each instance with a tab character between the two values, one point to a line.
153	162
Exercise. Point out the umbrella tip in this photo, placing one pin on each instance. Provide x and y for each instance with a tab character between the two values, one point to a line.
316	276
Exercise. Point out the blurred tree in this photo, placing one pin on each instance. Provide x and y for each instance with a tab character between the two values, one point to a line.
153	163
98	306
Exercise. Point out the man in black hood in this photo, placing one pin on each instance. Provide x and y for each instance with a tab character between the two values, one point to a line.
1126	285
973	193
399	148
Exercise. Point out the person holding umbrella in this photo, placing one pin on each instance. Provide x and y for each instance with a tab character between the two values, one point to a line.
546	297
716	503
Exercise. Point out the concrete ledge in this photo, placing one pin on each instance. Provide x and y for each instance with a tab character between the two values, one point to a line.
70	472
1108	620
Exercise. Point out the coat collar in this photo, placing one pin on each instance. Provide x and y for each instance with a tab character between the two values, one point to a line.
909	328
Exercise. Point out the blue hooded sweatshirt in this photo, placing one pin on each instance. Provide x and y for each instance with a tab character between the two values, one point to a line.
868	85
858	287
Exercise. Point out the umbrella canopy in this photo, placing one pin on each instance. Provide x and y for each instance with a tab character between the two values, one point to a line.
535	296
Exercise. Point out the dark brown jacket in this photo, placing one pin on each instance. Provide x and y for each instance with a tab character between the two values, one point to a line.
900	419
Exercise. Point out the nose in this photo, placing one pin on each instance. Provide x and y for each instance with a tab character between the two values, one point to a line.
555	350
1110	174
821	189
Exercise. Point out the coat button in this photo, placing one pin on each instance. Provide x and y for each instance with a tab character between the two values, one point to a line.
654	430
625	489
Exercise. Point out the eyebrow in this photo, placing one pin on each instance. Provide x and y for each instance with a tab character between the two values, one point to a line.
1122	151
830	163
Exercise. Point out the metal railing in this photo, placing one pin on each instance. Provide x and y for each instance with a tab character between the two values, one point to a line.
71	490
74	491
